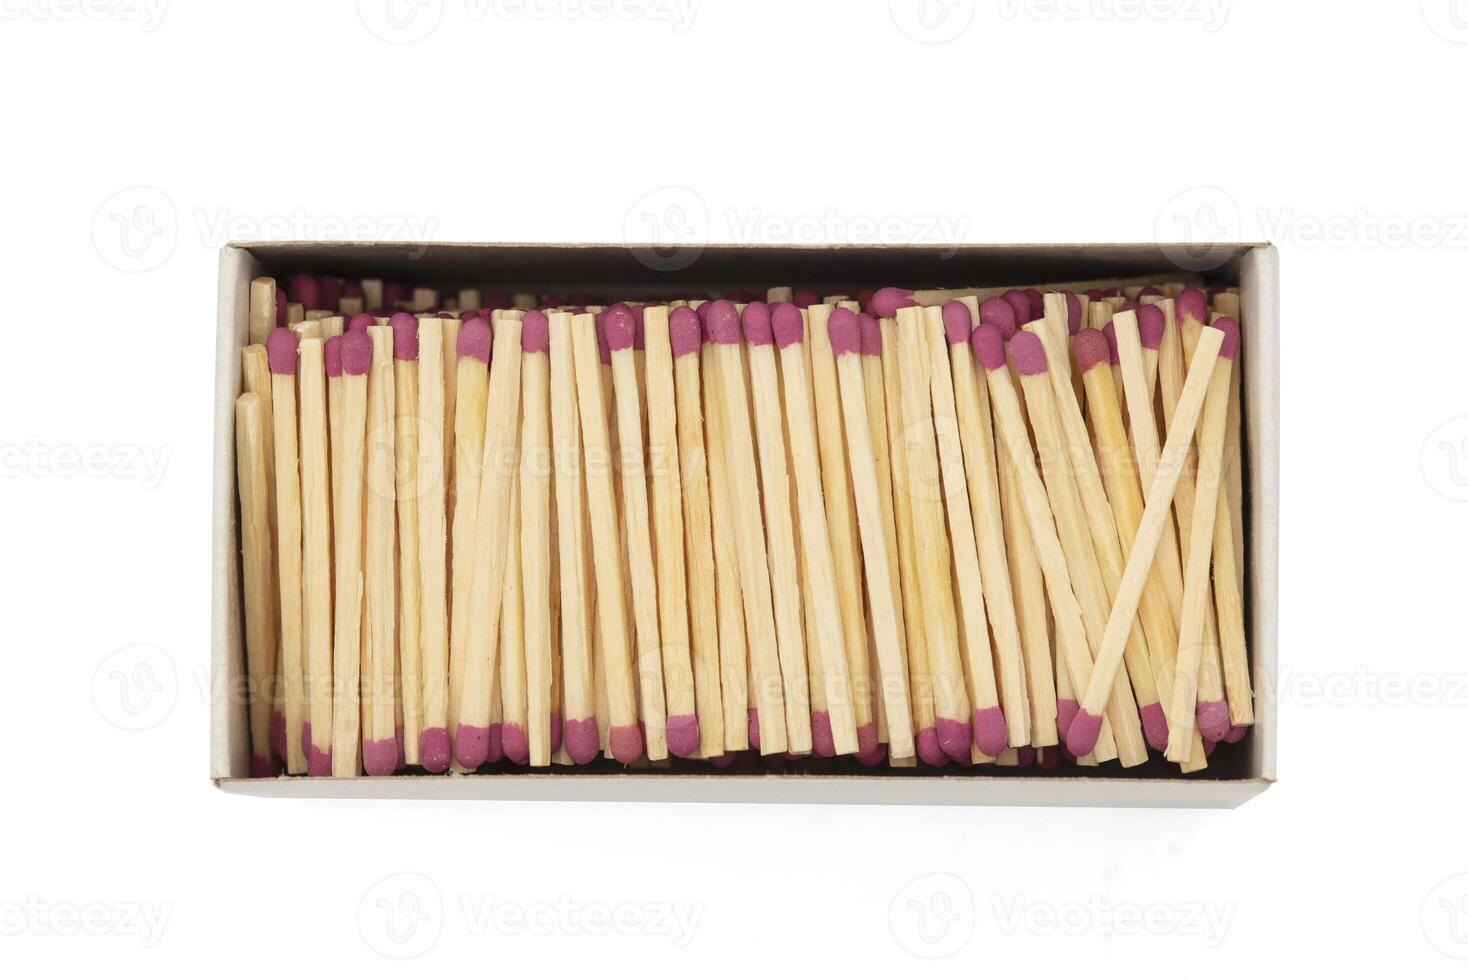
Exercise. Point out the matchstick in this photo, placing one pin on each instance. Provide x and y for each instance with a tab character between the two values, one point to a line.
1144	548
841	522
578	696
255	379
535	530
1228	304
837	731
920	674
499	469
684	723
848	343
1074	648
1151	327
379	585
281	350
779	533
685	337
451	328
514	697
990	733
1211	716
316	535
767	717
255	551
875	394
407	447
262	308
924	492
342	753
624	737
432	570
471	384
733	647
620	327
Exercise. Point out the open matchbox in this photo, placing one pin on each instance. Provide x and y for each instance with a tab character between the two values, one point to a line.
1242	772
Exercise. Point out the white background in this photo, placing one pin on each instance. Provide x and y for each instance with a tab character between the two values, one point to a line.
138	139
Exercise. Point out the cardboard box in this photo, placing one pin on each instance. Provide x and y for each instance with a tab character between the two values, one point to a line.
1238	773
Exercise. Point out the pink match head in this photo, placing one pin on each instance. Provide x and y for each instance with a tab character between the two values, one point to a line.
1208	746
956	738
866	739
1109	332
380	756
331	353
433	749
280	303
1065	713
318	761
1090	349
535	333
1081	735
1154	726
474	340
1230	330
988	345
516	743
874	755
393	293
751	726
639	325
303	289
620	326
1150	324
1027	355
756	321
329	288
352	289
625	743
822	739
280	351
1000	314
990	735
958	322
844	328
806	297
1236	734
404	336
1019	301
1130	306
1094	295
871	334
685	332
721	325
360	322
1037	303
740	296
1025	756
1213	723
356	353
471	745
1190	303
1072	313
682	732
581	739
888	300
928	748
788	324
497	299
1148	291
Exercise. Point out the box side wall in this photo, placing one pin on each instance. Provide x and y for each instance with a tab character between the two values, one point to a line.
229	728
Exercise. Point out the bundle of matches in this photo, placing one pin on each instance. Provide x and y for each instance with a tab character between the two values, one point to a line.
920	528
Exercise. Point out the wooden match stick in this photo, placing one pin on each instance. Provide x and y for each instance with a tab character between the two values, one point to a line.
875	392
1073	646
1144	546
685	337
316	534
513	656
264	309
578	696
260	652
925	493
841	522
1228	304
685	724
341	755
1212	715
406	449
847	343
767	718
535	531
471	386
733	648
498	473
432	570
624	738
764	388
451	328
834	730
281	351
990	733
379	650
620	326
920	674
